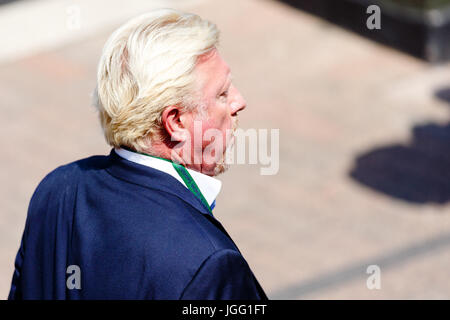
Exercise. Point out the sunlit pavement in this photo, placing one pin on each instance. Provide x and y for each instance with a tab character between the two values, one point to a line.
357	120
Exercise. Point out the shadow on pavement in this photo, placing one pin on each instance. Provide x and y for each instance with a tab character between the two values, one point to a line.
407	26
418	172
6	1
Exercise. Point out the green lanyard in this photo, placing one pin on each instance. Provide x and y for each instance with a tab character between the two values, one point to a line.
187	178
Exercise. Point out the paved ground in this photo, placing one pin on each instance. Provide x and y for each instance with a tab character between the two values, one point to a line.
364	158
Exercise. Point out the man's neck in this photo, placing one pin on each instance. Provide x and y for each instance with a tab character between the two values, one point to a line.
161	150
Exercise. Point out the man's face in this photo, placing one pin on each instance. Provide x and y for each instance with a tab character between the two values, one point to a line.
221	102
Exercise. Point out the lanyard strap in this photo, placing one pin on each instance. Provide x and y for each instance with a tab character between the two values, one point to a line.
187	178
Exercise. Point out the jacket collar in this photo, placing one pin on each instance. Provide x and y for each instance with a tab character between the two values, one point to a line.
209	186
151	178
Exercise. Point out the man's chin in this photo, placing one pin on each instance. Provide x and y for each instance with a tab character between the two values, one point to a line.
220	168
222	165
215	169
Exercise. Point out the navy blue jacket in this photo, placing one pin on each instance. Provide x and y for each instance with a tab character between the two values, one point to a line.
133	231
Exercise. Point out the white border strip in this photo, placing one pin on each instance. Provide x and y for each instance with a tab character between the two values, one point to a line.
30	26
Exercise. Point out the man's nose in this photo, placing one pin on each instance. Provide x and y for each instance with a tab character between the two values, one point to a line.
238	103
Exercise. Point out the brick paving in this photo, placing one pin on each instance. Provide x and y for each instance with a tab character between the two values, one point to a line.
311	230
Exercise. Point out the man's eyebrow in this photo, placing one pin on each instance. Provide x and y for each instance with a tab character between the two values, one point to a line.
227	82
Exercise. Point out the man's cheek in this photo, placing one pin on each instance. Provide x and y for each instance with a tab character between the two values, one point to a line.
207	138
215	131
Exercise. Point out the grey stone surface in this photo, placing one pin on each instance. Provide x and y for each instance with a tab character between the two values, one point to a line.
311	230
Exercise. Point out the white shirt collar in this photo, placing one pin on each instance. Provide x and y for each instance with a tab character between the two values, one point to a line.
209	186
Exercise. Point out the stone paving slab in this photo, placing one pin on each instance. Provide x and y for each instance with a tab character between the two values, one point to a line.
311	230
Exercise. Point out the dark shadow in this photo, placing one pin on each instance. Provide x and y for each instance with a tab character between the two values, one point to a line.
443	94
6	1
414	33
418	172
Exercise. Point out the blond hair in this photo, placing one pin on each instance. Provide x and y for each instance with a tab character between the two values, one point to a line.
146	65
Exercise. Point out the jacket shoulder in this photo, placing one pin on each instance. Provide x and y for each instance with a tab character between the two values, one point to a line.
66	173
62	180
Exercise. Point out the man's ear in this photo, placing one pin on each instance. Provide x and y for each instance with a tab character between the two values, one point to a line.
174	121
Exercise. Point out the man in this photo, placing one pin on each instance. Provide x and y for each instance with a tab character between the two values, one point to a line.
138	224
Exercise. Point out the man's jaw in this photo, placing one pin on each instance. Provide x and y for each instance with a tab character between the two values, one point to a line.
222	166
214	168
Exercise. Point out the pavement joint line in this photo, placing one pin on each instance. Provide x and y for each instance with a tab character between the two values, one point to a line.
357	270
